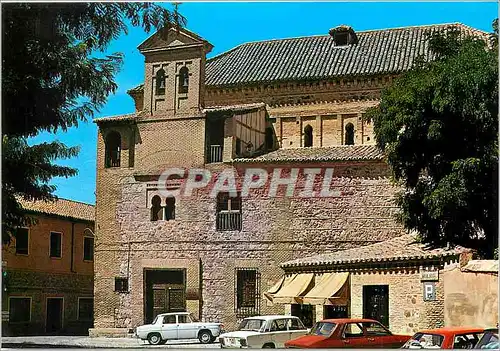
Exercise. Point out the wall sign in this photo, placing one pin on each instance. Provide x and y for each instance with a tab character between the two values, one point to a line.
429	276
429	291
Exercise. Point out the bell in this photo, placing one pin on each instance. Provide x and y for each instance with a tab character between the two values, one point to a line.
185	82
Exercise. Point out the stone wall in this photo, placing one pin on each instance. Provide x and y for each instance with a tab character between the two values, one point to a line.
408	312
275	229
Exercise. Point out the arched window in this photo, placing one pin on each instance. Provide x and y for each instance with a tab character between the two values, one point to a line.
183	80
349	134
269	138
170	209
308	136
160	82
156	209
113	148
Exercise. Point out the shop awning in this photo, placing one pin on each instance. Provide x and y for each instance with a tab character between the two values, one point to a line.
293	290
274	289
329	289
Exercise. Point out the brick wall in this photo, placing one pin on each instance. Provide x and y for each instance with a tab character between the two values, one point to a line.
274	230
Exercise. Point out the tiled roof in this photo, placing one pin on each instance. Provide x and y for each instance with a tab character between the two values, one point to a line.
239	108
317	57
402	248
319	154
62	208
127	117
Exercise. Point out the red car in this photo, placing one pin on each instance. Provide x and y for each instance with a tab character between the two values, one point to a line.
348	333
445	338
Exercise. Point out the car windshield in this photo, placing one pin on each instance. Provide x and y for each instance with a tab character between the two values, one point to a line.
424	341
322	328
488	341
252	324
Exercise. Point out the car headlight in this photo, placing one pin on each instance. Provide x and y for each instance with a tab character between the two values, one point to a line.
243	342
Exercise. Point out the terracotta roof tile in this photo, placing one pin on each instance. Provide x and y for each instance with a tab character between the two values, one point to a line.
402	248
319	154
126	117
382	51
61	207
239	108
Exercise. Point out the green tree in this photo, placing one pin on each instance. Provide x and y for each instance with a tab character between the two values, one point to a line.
438	124
54	75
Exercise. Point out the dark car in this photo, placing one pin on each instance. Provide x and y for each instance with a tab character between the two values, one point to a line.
348	333
489	340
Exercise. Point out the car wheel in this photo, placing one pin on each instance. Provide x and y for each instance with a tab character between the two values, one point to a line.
268	346
163	342
205	337
154	339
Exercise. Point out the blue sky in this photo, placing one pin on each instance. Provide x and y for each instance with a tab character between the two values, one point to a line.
226	25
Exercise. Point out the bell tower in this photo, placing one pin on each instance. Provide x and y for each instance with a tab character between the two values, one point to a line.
175	72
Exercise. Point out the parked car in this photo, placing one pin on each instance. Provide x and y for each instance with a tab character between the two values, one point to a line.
489	340
262	332
179	325
348	333
445	338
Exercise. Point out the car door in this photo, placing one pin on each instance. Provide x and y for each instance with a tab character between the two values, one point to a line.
379	337
169	328
280	333
353	336
185	328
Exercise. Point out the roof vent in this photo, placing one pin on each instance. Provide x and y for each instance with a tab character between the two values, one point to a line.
343	35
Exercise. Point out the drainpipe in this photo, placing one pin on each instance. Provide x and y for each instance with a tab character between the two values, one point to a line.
72	246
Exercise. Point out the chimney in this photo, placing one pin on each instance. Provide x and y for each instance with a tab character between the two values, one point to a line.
343	35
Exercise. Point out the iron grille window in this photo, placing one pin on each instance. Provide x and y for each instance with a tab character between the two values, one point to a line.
228	212
247	292
121	284
55	244
88	249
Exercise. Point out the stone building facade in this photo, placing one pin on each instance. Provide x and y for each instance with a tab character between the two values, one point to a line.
399	282
285	106
48	271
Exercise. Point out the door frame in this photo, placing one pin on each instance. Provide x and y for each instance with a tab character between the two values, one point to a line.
47	311
365	305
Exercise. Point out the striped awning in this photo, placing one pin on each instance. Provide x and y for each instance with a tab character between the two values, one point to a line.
293	288
330	288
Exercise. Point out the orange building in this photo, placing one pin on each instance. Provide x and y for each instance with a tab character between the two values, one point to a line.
48	271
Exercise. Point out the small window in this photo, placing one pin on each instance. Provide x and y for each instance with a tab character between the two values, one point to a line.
269	138
55	244
170	209
349	134
22	241
156	209
308	136
160	82
121	284
295	324
229	215
88	249
113	149
279	325
183	80
182	318
85	309
19	309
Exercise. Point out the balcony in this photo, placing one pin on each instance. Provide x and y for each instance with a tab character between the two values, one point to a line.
229	220
214	154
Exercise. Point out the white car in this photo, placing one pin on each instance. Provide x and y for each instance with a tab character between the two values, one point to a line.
179	325
262	332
